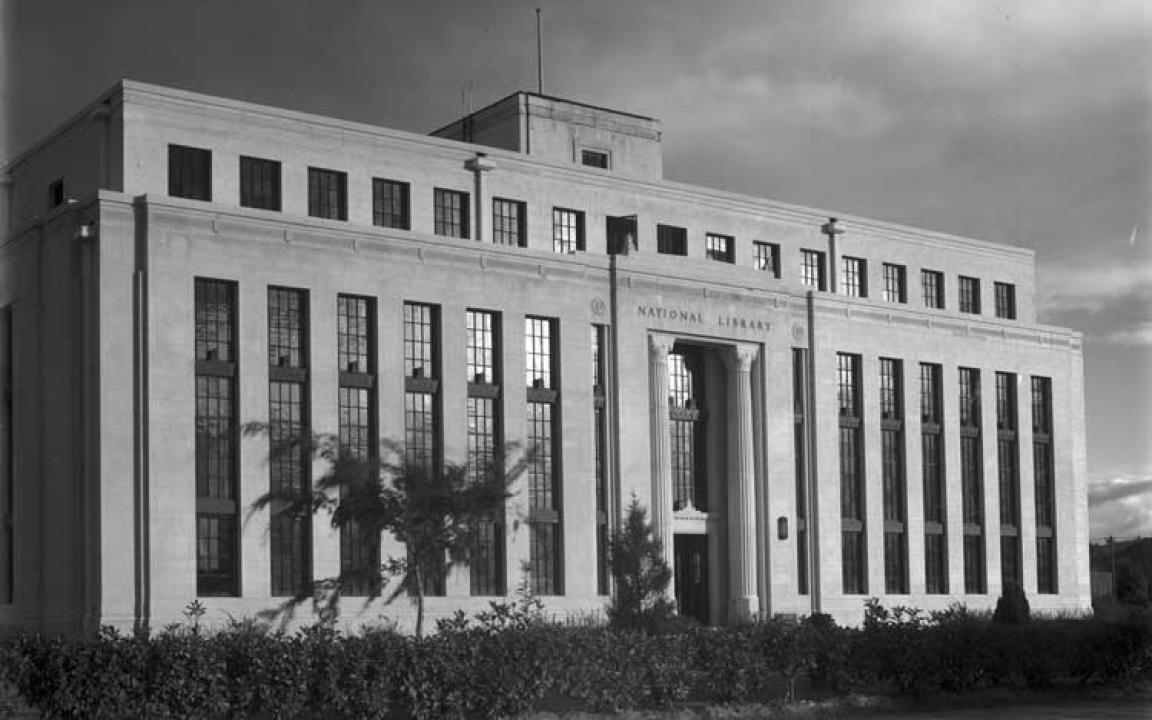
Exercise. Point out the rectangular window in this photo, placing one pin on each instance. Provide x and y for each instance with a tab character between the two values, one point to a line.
1005	301
189	172
544	495
356	413
854	573
932	284
800	445
671	240
895	487
721	248
812	269
854	276
509	218
450	213
1045	485
600	450
766	257
485	444
972	482
56	193
390	204
567	230
327	194
259	183
688	432
895	283
932	471
969	295
594	158
289	431
217	439
7	466
422	414
1007	460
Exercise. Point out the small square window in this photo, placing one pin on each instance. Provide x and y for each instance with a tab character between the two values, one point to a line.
969	295
390	204
719	247
766	257
450	213
508	222
567	230
594	158
56	193
895	284
812	269
932	285
671	240
1006	301
327	194
854	276
189	172
259	183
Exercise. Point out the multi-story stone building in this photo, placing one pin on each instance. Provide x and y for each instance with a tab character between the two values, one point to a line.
814	411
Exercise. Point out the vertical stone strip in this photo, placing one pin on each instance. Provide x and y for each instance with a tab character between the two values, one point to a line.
743	600
658	347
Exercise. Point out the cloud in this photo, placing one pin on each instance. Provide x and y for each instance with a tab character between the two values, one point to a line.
1064	288
1137	336
1121	506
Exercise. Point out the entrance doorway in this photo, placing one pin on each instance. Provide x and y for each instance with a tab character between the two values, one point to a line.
690	555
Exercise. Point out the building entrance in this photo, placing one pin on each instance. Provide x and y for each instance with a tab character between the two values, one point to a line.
690	558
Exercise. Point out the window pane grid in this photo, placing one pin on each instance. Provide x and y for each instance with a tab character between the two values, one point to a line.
289	472
567	230
719	247
215	320
354	321
969	295
327	194
932	285
1005	301
480	328
895	287
766	257
799	371
450	213
189	172
854	274
356	428
812	268
1044	480
671	240
419	341
932	472
390	204
508	222
287	343
259	183
487	557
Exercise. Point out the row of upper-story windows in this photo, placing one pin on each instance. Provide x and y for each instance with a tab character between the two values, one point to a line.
190	176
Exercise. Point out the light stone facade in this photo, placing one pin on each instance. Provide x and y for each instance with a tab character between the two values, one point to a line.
99	468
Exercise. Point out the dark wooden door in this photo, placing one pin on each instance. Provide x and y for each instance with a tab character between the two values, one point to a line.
691	559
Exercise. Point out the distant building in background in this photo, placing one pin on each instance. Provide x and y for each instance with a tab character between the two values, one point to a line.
814	411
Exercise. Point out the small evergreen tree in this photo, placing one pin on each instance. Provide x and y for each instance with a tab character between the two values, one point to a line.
641	575
1012	607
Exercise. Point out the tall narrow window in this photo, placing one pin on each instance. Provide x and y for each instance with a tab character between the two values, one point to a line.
720	248
567	230
671	240
895	283
56	193
1005	301
800	444
972	482
509	220
217	439
812	269
390	204
895	485
189	172
327	194
932	470
259	183
289	429
450	213
766	257
1007	460
687	422
356	405
545	502
1045	485
854	572
969	295
7	466
932	286
422	411
594	158
600	449
485	442
854	276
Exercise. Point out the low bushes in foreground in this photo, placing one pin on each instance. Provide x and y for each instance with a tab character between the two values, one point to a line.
507	661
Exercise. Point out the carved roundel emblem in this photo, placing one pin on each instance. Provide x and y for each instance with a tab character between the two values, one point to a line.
598	307
798	332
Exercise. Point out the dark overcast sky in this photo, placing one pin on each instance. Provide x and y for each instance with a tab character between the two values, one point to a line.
1022	121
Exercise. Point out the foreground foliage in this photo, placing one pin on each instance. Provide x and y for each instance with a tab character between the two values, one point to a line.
508	660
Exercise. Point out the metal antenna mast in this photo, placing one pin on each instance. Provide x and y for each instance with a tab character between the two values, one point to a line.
539	58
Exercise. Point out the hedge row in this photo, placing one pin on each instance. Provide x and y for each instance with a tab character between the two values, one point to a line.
499	667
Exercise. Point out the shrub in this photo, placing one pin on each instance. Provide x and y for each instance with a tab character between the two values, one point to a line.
1012	607
642	577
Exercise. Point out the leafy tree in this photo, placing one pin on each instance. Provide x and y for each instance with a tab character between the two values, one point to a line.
640	573
435	511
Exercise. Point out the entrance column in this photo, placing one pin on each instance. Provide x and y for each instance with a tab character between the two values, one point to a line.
744	602
661	429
